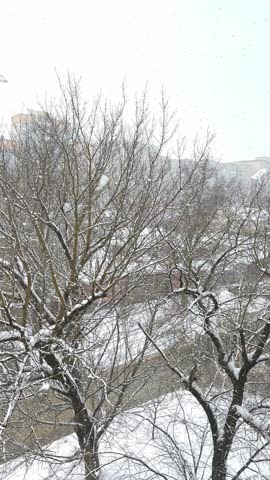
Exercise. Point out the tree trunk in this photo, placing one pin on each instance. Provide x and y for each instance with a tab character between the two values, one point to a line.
91	462
85	424
219	469
223	446
86	433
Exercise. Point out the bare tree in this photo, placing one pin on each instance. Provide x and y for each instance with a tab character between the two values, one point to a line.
220	264
87	206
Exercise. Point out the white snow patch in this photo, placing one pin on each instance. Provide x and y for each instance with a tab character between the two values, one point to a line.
225	296
103	181
42	335
45	387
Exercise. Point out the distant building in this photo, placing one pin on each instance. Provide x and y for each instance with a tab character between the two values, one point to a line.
246	169
23	123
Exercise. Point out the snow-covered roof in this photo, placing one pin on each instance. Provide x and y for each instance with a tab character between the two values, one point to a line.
258	175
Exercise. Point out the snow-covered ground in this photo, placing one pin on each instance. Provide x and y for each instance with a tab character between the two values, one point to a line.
116	332
167	438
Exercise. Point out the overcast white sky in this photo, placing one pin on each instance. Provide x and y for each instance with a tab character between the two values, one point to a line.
212	57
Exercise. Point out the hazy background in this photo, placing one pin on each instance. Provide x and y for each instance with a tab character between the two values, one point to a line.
212	57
